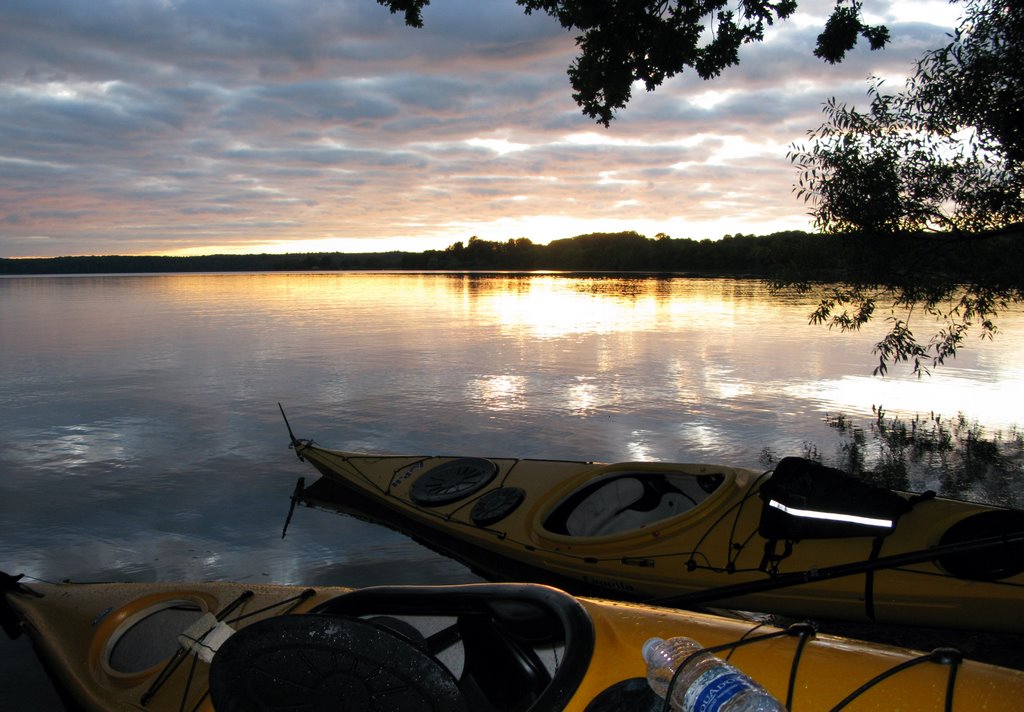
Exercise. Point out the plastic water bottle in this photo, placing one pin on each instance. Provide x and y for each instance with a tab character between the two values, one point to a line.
706	684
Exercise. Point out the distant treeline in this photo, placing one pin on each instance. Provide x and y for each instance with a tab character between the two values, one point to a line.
789	255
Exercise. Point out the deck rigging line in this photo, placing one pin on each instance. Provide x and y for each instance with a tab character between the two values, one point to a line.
804	632
222	617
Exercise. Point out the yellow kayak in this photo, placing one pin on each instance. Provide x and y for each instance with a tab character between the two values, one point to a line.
803	540
233	646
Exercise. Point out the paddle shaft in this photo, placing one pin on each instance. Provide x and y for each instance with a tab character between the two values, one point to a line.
797	578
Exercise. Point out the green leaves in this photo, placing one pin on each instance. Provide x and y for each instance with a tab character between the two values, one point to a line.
626	41
652	40
842	30
938	156
951	310
412	9
918	182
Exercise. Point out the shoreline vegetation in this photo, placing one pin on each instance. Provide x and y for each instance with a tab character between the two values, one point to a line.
955	457
792	256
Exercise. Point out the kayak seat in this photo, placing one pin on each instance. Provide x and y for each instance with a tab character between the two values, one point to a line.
626	503
509	647
596	512
670	505
501	672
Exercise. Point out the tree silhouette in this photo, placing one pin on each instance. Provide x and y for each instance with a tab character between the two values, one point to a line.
917	182
625	41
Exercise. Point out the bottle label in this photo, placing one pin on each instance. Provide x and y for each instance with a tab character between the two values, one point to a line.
713	689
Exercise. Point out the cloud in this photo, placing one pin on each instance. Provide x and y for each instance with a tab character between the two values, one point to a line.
170	125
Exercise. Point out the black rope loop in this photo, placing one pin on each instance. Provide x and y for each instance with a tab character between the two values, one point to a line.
730	646
804	631
179	656
294	600
941	656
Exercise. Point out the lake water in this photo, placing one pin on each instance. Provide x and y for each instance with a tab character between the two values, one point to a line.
140	436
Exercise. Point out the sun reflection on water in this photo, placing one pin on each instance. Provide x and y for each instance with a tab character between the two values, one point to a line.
582	396
497	392
552	308
938	394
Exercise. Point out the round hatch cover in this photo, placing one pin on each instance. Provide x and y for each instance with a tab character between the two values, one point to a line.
325	663
452	481
496	505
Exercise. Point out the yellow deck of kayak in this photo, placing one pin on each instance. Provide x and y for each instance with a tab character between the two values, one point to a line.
75	626
714	543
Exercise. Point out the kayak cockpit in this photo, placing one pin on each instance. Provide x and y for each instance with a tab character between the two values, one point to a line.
627	501
471	647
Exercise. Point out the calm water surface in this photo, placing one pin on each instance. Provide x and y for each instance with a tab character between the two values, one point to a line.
140	437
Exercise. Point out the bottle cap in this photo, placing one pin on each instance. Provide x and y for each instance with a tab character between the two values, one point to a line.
650	645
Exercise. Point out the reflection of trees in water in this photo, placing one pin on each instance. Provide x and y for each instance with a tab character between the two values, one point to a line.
955	457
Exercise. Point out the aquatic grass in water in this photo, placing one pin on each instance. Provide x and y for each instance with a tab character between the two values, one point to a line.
956	458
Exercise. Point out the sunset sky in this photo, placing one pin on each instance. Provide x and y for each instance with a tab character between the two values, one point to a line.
243	126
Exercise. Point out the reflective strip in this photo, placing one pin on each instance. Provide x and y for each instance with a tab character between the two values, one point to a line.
833	516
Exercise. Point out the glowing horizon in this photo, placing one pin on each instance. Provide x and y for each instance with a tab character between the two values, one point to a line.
356	133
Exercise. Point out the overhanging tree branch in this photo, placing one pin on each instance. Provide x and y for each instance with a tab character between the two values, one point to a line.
625	41
916	182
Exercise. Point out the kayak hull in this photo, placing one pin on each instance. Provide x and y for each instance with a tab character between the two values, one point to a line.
77	630
716	543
